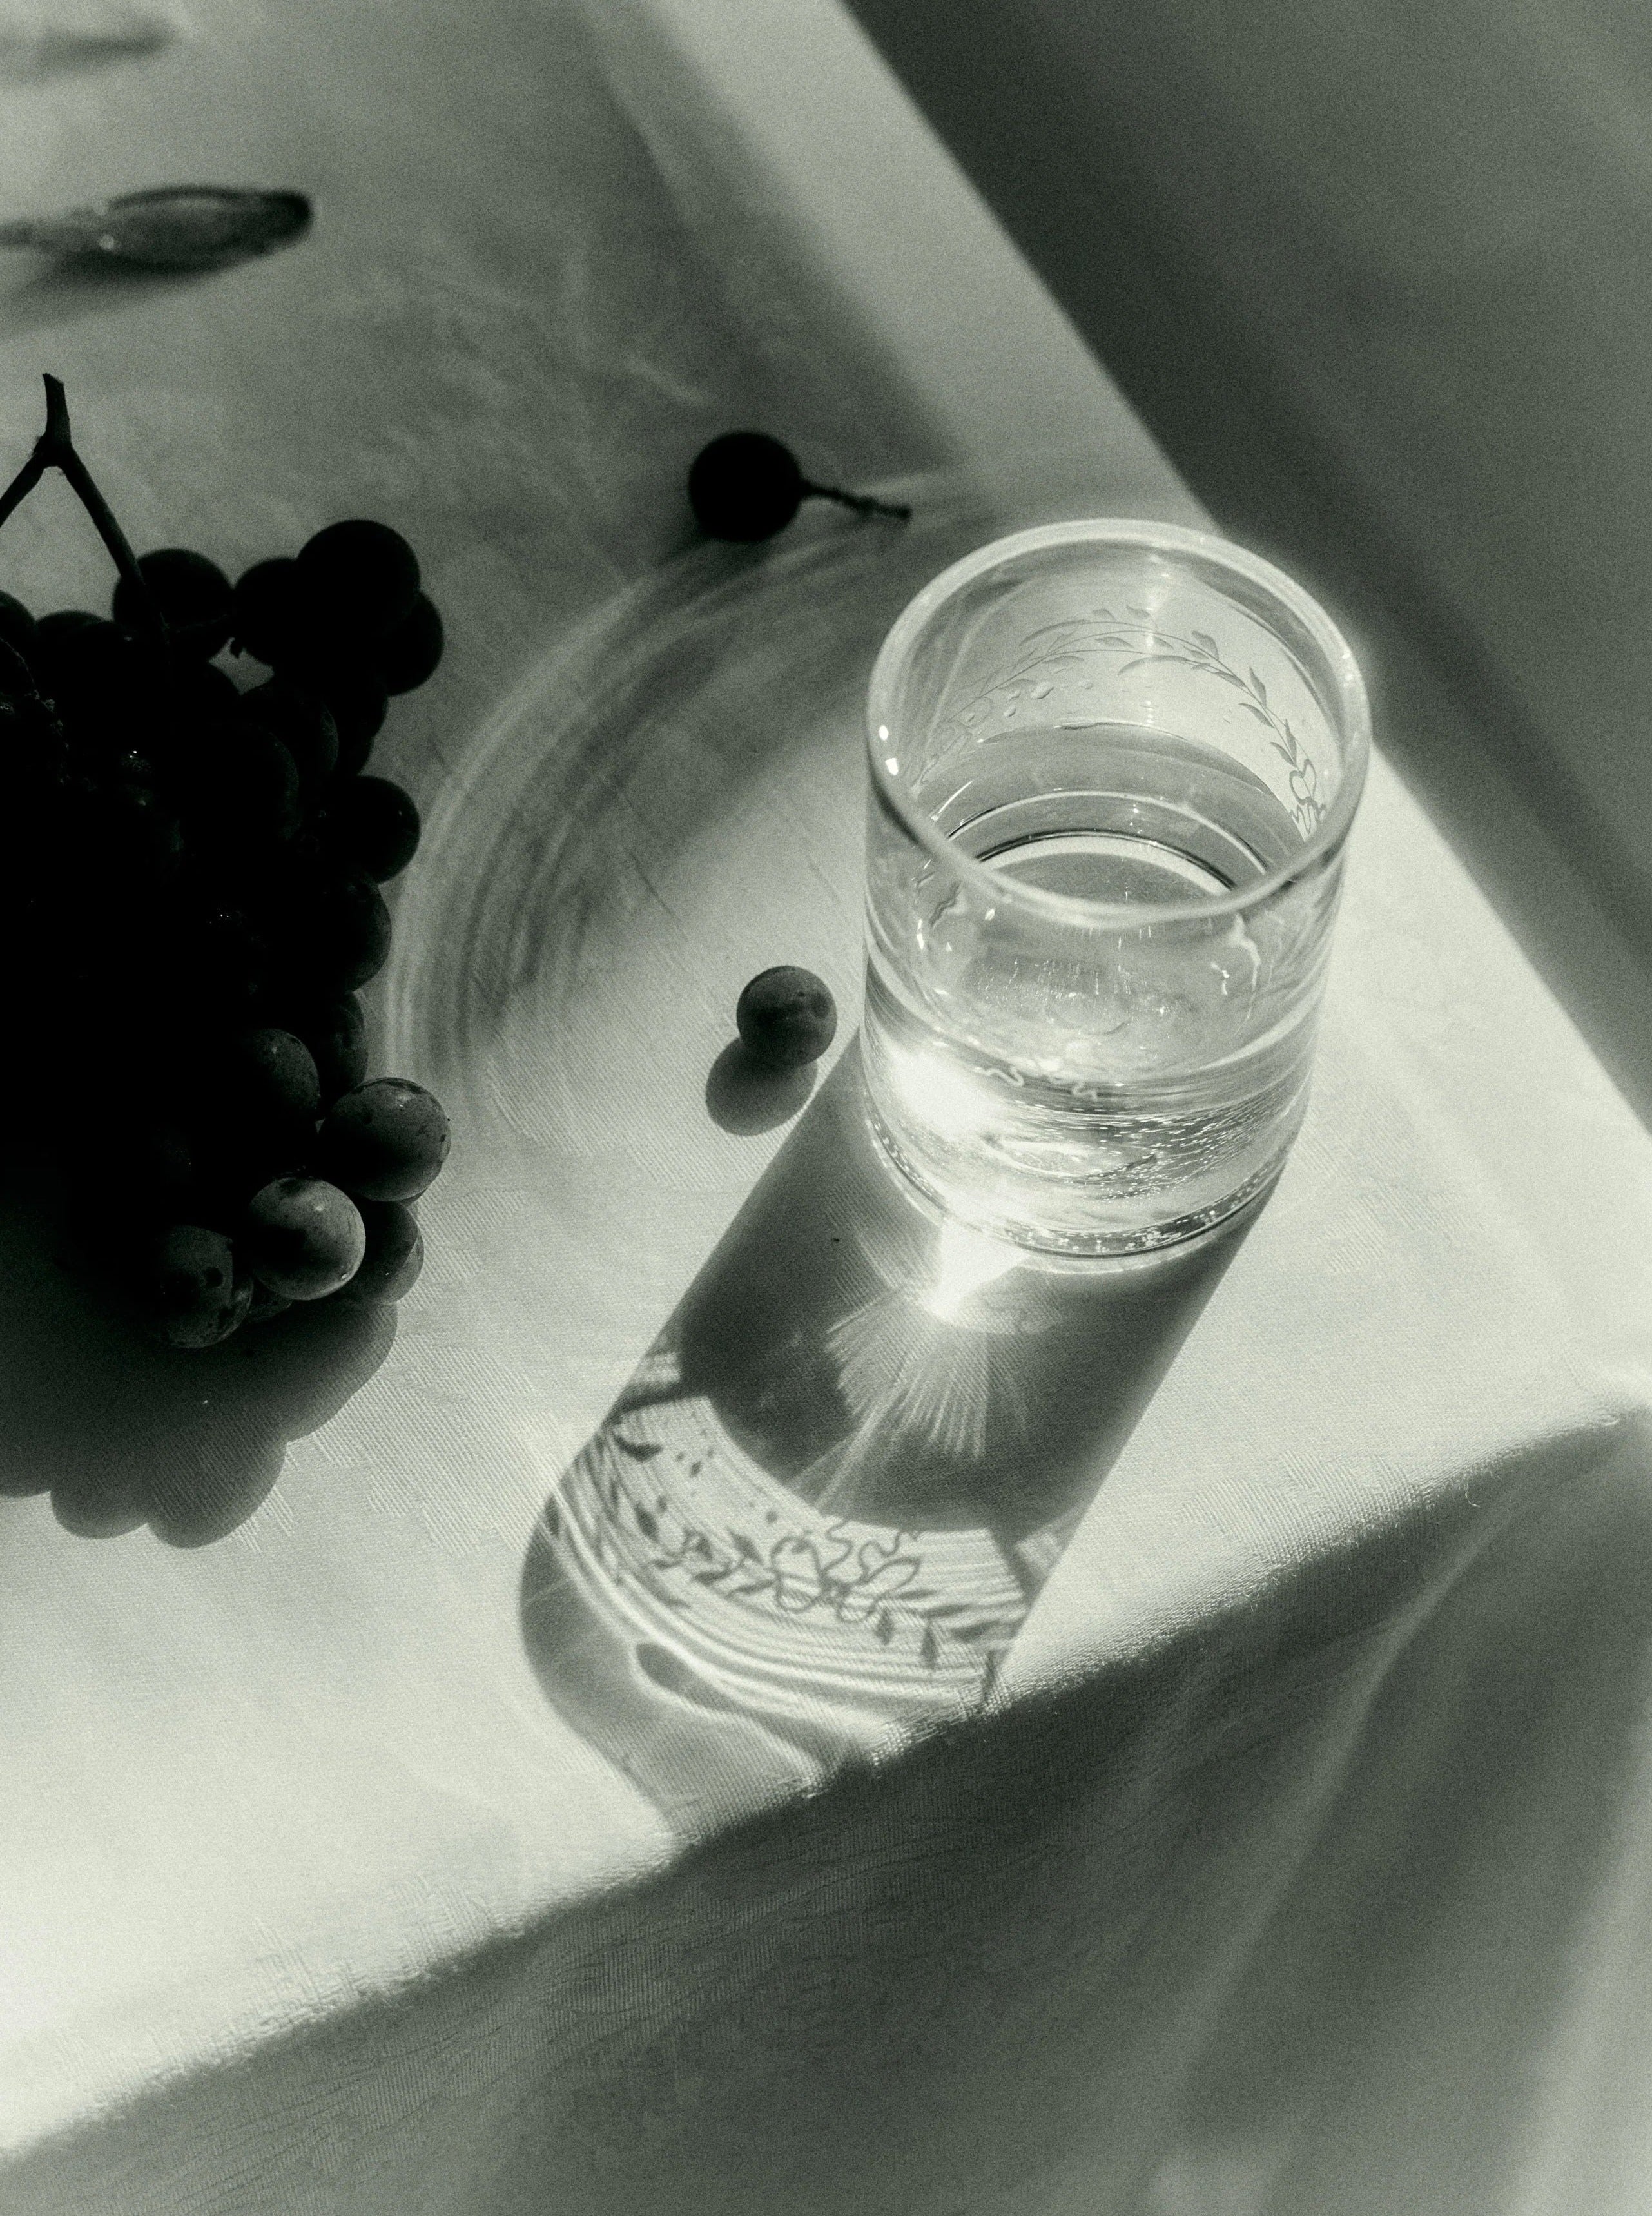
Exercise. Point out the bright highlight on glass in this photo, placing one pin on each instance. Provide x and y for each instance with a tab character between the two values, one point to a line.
1113	769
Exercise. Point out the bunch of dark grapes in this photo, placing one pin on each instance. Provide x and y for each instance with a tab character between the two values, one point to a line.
193	907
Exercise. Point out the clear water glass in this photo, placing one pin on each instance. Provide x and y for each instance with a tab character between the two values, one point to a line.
1113	768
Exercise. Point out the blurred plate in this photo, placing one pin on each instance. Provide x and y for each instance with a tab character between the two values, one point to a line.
670	801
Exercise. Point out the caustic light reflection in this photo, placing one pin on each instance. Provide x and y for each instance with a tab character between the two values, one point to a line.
921	1363
935	1094
966	1261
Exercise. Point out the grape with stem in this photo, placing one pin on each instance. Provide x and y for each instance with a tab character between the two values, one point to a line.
747	485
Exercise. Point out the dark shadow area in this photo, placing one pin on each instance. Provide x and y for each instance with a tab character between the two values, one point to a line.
60	293
826	1502
123	1433
1403	373
34	52
1311	1875
743	1098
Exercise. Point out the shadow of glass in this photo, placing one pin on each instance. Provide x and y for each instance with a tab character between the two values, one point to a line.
821	1510
122	1433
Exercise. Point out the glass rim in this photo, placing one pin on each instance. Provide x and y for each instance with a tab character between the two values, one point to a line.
1076	908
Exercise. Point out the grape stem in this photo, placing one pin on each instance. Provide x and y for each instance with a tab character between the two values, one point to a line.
55	450
862	502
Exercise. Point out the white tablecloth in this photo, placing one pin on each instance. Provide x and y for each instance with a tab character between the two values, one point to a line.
1297	1866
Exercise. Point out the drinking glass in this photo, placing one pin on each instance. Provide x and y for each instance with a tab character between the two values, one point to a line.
1113	768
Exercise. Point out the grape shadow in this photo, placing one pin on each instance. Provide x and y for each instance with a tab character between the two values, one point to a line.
743	1098
122	1433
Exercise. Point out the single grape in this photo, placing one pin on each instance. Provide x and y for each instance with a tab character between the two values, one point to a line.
89	651
303	1237
18	628
340	937
262	790
61	624
785	1018
385	1141
124	829
55	637
188	1287
359	577
303	722
304	859
264	612
745	486
360	703
236	786
373	825
216	957
126	765
357	697
269	1076
407	657
279	885
106	681
193	596
394	1256
243	1095
196	698
336	1036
